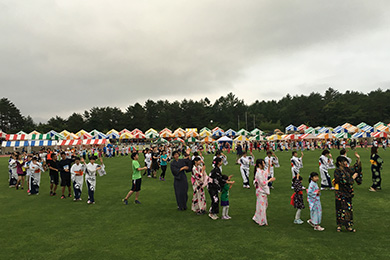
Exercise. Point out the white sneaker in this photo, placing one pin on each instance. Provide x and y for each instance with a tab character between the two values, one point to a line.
310	223
323	188
319	228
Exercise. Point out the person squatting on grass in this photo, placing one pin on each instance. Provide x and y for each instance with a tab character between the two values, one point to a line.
215	185
313	197
136	179
262	191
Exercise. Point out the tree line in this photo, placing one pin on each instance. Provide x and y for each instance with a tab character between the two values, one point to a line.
333	108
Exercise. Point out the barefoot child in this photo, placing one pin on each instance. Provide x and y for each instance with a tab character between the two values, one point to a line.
313	197
136	186
225	196
297	198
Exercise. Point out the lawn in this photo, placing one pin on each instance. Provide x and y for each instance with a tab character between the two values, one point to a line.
44	227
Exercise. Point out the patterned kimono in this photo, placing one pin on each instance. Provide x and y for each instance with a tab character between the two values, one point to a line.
198	199
314	203
297	197
344	193
376	165
262	191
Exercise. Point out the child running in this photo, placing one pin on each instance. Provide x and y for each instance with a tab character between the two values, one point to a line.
297	199
137	178
225	196
313	197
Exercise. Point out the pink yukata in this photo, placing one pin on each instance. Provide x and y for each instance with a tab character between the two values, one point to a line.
262	191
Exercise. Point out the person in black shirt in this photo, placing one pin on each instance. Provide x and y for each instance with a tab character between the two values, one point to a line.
155	166
53	166
64	167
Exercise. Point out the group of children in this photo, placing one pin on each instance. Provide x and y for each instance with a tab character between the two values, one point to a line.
69	168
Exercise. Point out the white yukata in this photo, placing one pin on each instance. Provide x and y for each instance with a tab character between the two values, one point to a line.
13	175
78	179
35	177
325	164
271	163
296	165
245	163
90	180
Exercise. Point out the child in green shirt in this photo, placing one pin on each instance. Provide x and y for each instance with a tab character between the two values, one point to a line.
225	196
136	183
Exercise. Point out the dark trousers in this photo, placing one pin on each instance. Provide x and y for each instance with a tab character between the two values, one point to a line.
164	169
34	187
76	190
181	192
91	192
214	201
12	181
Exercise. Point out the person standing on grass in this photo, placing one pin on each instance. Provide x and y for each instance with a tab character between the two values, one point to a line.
64	167
225	196
313	197
13	176
198	180
21	173
215	185
245	162
148	162
326	163
77	176
90	177
163	164
344	178
296	165
155	158
376	166
35	177
179	167
53	172
262	191
271	161
297	199
136	179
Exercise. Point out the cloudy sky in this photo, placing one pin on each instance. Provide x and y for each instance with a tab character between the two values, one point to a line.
57	57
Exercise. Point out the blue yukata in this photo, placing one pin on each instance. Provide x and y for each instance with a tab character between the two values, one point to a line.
314	203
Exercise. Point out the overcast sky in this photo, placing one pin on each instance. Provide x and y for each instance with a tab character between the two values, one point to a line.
57	57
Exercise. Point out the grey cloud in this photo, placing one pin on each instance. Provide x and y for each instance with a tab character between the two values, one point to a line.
73	55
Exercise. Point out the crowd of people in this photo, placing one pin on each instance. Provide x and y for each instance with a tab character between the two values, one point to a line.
71	168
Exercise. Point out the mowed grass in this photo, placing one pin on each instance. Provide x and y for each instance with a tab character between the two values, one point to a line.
44	227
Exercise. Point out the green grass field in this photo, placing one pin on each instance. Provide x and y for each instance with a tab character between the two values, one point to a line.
44	227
